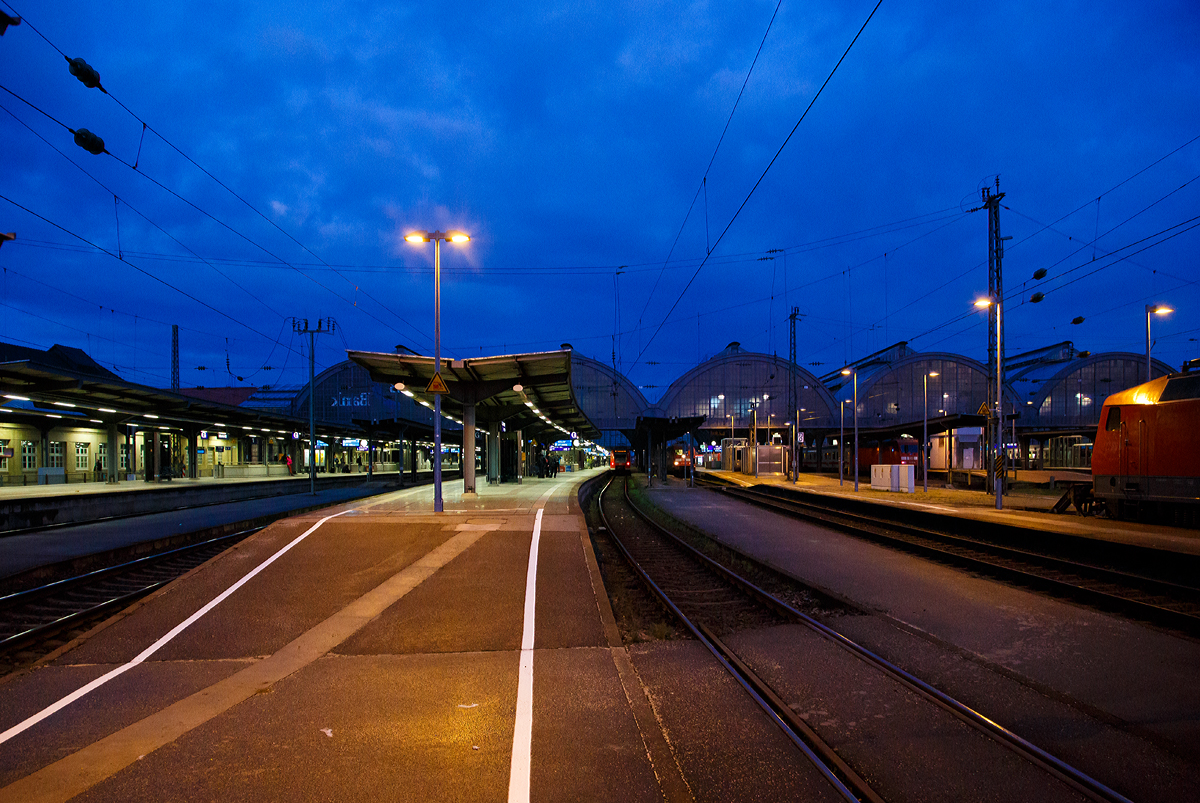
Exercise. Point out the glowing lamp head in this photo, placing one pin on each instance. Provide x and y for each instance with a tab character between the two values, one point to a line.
416	237
983	303
458	237
1162	309
933	373
846	372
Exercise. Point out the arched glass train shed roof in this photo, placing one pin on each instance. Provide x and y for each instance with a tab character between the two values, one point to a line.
737	383
1068	396
895	396
1056	389
611	402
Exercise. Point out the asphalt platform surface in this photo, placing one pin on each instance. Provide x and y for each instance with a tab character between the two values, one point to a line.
379	657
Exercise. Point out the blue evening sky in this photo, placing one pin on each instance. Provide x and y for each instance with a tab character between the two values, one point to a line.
573	142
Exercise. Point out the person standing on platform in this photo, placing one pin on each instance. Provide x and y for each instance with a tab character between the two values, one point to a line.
97	469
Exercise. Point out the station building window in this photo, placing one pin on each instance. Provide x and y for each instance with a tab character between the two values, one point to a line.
124	457
102	453
81	456
29	455
4	455
58	452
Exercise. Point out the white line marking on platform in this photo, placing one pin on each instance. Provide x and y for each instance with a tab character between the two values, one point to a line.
518	782
156	646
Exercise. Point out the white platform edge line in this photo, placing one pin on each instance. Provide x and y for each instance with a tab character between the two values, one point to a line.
518	781
156	646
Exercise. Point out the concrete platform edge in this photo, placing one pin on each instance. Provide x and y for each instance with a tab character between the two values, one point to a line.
663	761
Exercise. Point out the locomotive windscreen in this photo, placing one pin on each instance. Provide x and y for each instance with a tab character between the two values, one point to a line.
1181	387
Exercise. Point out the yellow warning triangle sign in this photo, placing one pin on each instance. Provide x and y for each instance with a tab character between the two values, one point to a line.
436	385
983	408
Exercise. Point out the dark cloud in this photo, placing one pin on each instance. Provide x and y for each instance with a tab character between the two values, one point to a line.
570	139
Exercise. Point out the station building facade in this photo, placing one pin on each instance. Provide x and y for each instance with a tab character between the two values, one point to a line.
1052	397
1052	402
199	432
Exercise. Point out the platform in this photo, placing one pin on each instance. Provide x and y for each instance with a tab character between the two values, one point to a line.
373	650
1094	683
1020	509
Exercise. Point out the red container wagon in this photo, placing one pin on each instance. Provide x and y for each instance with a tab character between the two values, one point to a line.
1146	458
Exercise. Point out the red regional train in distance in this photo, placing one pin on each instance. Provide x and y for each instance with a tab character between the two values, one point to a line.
1146	457
621	461
902	451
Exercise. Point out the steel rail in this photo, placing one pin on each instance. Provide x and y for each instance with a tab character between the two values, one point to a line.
1072	776
901	535
60	525
813	755
83	581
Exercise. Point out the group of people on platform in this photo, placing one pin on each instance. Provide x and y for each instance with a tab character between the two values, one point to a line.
547	465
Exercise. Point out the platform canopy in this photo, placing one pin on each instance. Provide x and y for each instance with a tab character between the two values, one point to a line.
530	392
67	384
662	429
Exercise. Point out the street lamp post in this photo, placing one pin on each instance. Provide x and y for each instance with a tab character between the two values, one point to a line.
754	429
437	237
1153	309
925	433
796	450
849	372
998	471
842	445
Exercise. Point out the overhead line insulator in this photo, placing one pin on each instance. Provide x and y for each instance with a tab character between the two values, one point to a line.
86	73
88	141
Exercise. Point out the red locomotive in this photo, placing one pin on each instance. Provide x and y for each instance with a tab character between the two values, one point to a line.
621	461
1146	458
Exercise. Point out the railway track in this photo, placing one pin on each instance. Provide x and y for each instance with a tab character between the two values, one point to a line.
1156	593
30	618
712	601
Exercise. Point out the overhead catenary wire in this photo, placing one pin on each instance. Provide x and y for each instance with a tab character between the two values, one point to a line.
766	170
117	201
146	126
288	350
704	180
1049	226
119	255
1170	233
147	273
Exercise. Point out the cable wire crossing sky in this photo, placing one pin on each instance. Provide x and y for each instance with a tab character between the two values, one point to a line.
645	182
